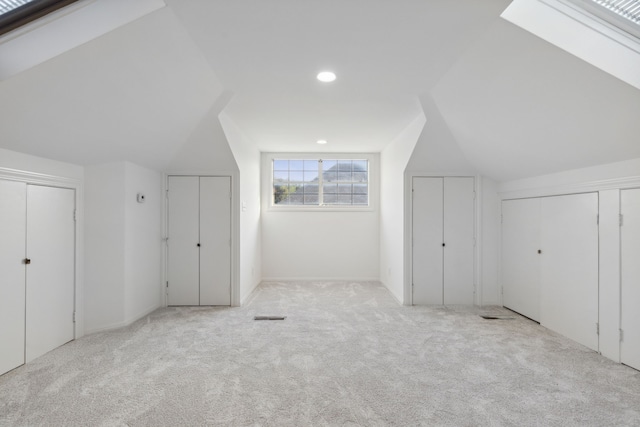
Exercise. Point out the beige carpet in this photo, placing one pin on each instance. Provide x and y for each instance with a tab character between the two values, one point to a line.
347	354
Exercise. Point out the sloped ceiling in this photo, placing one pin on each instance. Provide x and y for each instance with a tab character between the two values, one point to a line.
496	99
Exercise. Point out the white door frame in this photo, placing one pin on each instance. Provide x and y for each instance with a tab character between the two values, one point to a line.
235	230
477	258
78	187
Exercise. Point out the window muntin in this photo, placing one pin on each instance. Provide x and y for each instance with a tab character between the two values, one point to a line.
320	182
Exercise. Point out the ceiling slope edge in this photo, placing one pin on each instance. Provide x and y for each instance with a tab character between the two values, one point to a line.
66	29
580	34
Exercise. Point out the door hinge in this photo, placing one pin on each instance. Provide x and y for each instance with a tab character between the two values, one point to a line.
597	328
621	220
621	335
167	283
502	290
74	317
75	214
598	219
501	218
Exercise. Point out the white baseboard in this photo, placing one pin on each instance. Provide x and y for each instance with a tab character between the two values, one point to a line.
321	279
122	324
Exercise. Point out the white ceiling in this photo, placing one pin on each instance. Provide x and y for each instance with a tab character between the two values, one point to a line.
516	106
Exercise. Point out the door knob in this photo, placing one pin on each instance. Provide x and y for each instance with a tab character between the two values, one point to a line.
198	244
27	261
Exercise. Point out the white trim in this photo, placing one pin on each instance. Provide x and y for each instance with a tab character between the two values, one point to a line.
584	187
266	181
235	231
78	187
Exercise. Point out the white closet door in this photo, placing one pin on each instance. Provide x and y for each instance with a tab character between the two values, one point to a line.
13	212
215	240
51	273
183	230
520	258
428	230
569	267
630	292
458	240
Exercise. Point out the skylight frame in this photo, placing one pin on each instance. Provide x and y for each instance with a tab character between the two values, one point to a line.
29	12
599	9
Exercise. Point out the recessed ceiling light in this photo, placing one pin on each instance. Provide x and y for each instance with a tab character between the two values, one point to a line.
322	141
326	76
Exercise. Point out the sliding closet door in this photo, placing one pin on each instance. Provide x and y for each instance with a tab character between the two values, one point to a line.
215	239
458	240
183	270
428	232
520	258
51	273
569	267
630	291
13	213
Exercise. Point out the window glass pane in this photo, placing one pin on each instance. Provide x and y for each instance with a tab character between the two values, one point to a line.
280	176
311	188
281	194
311	176
330	176
329	188
296	165
344	199
296	199
360	177
359	165
296	176
311	165
359	188
281	165
344	188
311	199
360	199
330	199
329	165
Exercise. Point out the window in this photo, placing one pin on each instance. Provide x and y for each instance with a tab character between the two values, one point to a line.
15	13
338	182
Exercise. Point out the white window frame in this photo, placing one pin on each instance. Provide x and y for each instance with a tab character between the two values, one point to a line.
267	182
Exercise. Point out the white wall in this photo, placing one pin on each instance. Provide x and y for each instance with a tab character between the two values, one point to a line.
489	236
143	241
104	246
607	180
393	161
327	245
247	158
122	244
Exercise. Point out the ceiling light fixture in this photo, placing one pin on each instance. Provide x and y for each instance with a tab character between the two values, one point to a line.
322	141
326	76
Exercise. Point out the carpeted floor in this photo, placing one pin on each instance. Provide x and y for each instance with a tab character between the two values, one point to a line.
347	354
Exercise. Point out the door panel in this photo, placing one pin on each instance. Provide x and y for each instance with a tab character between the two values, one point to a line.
520	258
428	229
215	237
50	290
13	213
630	292
569	267
183	231
459	212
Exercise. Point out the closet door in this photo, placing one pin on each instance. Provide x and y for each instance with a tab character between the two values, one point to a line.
183	269
458	240
50	292
630	291
428	234
569	267
13	213
215	240
520	258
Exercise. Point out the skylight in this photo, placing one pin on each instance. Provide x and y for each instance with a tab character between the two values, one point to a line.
624	14
15	13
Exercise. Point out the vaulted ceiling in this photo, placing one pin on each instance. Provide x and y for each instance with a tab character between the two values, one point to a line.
514	105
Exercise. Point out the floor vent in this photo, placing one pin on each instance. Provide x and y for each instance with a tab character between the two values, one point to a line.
490	317
269	317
